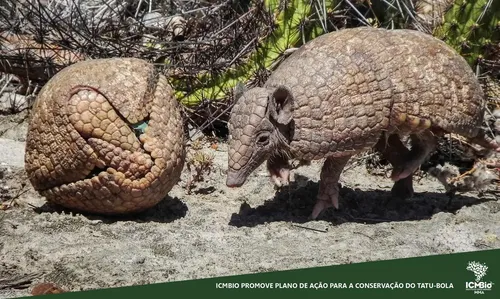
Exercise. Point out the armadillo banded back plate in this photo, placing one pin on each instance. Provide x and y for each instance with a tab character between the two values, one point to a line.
85	148
350	84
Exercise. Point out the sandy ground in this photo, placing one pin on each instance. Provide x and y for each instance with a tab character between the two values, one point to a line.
218	231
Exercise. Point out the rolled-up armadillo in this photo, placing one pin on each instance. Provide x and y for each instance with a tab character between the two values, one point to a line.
351	90
106	136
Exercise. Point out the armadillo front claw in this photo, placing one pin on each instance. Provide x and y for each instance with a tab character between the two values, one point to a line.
282	178
279	169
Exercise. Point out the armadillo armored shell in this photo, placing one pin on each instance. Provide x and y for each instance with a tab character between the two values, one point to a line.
106	137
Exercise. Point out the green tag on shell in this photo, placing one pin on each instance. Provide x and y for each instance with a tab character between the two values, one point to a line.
140	127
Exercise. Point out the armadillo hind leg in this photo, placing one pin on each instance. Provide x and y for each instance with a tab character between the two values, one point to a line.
328	193
396	153
422	144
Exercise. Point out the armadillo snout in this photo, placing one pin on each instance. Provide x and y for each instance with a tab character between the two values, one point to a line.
237	169
247	122
235	179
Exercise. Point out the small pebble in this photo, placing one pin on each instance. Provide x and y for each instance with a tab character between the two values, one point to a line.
139	260
95	222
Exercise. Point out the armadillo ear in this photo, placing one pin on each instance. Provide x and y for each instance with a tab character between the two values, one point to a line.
239	90
281	105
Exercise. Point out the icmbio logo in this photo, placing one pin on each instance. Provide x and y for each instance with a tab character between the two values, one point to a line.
478	286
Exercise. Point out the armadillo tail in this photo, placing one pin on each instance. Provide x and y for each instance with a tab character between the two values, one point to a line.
485	141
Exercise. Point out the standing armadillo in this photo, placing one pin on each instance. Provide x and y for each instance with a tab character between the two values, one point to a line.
349	91
85	147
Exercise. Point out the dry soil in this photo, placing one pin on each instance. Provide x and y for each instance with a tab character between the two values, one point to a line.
218	231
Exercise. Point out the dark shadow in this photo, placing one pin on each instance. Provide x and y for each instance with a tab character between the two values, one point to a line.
374	206
168	210
205	190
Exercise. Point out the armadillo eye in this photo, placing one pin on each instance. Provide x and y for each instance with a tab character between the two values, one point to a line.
263	139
